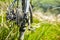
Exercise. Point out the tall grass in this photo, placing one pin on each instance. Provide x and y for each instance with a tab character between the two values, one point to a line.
43	31
46	31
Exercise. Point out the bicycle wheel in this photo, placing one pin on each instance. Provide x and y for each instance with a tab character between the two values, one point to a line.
30	18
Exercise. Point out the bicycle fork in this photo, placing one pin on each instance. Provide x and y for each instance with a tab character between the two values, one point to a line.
25	8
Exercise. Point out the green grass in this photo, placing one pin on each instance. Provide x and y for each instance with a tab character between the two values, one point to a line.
0	19
46	31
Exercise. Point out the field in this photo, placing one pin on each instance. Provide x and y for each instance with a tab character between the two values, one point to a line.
44	29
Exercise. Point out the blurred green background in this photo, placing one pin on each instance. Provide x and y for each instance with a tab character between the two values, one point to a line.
44	29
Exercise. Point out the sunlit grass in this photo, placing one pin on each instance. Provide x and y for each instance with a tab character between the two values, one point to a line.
45	31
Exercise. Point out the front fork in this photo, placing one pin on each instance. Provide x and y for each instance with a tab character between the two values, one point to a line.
25	9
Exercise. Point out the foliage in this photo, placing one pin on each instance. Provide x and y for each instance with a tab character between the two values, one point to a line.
46	31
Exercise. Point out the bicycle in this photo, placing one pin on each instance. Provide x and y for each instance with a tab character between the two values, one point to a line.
23	18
